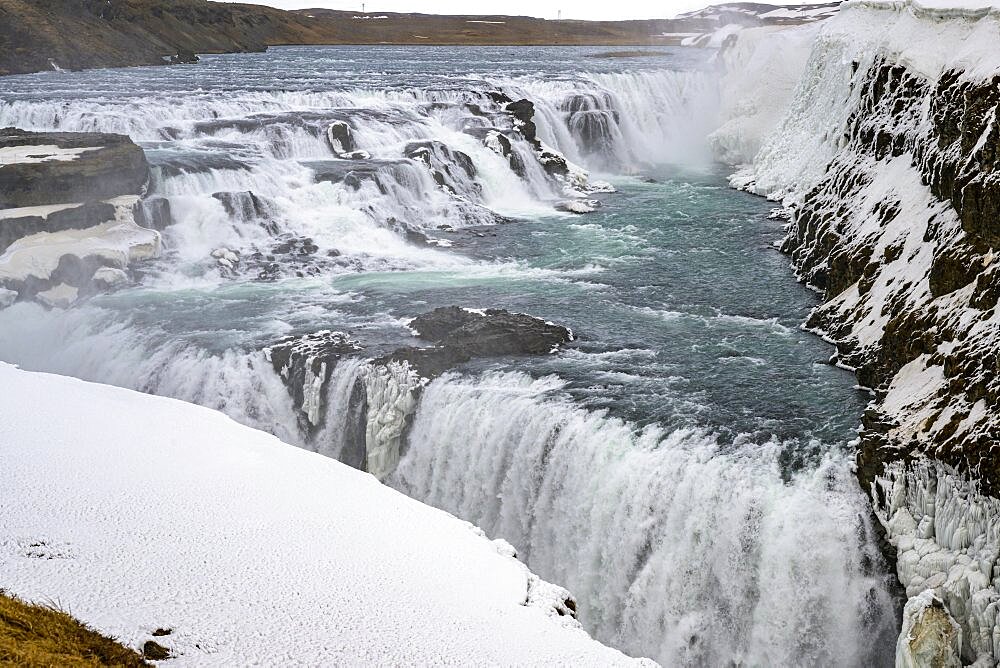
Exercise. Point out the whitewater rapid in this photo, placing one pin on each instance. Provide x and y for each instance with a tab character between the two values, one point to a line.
699	515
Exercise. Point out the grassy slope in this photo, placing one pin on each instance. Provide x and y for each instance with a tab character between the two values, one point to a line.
35	636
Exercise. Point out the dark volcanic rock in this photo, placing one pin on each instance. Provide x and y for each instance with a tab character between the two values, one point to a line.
523	112
184	58
451	169
112	166
461	335
154	213
341	138
553	163
305	364
490	333
956	157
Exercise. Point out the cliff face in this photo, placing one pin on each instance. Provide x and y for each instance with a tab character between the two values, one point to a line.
887	163
900	236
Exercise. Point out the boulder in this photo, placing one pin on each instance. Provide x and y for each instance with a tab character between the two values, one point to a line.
60	296
109	278
523	112
930	637
490	332
341	138
554	163
579	206
184	57
154	651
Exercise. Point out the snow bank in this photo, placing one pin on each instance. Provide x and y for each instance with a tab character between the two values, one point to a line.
136	512
34	154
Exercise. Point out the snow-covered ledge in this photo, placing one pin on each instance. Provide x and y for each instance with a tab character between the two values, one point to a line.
138	513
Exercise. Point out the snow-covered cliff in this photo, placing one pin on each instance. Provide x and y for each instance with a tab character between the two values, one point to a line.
138	513
888	163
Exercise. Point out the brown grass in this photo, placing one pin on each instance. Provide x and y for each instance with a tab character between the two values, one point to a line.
38	636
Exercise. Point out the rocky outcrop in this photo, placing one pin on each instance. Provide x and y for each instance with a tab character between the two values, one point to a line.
69	206
61	167
900	236
462	334
452	170
305	363
893	216
930	637
571	179
381	394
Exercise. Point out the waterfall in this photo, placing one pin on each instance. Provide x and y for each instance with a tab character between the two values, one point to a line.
370	178
676	546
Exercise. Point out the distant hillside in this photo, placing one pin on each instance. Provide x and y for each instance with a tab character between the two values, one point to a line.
79	34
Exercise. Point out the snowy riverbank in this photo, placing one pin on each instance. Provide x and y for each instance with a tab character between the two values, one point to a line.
136	513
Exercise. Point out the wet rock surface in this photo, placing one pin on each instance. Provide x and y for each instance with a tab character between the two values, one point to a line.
305	364
461	334
381	394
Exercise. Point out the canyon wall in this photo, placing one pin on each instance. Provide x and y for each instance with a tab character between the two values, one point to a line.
886	163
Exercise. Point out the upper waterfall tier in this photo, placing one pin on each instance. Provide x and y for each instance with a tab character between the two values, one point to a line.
301	181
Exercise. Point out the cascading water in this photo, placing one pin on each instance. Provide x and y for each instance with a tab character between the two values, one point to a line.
677	546
683	469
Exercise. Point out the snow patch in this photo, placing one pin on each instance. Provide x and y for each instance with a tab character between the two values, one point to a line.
30	155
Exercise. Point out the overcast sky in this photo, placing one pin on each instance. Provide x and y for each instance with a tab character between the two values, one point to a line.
571	9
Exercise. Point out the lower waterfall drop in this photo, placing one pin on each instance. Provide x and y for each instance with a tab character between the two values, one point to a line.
676	547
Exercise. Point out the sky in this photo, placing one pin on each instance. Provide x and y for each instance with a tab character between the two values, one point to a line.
571	9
